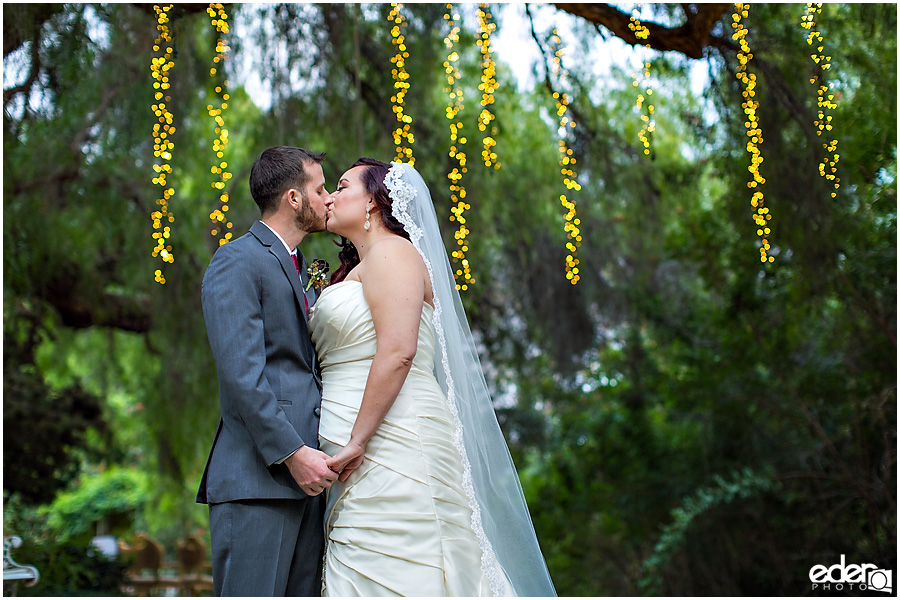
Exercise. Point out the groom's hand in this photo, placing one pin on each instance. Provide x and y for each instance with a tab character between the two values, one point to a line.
308	468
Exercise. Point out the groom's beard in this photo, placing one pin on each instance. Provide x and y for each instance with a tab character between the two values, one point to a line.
306	218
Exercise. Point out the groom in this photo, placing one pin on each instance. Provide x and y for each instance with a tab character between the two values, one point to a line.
265	476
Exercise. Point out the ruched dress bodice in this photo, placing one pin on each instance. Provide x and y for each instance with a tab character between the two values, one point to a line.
401	524
344	335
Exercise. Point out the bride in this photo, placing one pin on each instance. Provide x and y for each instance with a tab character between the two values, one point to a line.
428	502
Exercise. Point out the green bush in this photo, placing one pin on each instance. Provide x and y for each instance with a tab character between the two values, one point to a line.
115	494
72	568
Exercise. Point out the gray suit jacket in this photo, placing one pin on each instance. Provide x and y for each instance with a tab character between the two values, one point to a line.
269	388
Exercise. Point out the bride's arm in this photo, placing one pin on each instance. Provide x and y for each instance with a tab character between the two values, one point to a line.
394	288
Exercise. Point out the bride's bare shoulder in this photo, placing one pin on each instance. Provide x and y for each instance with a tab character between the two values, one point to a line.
395	257
396	248
396	262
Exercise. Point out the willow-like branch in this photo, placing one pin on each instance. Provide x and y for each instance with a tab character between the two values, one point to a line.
79	308
690	38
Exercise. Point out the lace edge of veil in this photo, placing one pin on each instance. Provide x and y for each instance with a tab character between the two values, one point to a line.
402	195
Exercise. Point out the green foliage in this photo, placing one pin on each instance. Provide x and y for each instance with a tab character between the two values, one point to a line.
70	569
38	452
116	495
67	563
702	363
743	485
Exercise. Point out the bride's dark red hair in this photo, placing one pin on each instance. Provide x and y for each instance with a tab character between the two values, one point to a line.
373	181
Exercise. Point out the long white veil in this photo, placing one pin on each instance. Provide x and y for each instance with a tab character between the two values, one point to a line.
499	514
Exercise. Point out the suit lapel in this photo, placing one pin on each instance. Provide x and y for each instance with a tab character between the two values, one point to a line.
277	249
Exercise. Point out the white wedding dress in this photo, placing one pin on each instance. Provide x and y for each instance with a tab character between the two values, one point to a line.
401	524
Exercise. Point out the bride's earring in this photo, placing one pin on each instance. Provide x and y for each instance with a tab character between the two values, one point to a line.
367	219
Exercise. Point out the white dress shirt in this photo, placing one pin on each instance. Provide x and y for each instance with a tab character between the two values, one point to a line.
291	251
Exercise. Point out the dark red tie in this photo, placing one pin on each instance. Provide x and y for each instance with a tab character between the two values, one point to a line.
297	264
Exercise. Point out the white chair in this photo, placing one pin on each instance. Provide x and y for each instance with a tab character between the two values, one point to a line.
13	571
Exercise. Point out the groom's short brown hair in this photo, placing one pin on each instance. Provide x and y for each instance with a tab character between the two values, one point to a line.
277	170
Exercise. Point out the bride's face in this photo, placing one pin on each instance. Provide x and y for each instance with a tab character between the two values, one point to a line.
346	206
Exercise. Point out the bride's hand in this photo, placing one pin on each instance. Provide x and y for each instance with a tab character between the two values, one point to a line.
347	460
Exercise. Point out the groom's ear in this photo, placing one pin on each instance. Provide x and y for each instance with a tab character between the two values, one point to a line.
292	197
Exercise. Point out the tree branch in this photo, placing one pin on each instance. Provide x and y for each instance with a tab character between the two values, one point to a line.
690	38
576	114
23	22
92	118
32	75
80	310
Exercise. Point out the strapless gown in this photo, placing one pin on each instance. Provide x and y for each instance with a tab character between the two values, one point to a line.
401	523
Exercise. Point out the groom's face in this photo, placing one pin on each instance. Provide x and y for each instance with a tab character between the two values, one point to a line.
310	215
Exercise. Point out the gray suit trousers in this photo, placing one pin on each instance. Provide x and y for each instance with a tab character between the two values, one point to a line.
268	547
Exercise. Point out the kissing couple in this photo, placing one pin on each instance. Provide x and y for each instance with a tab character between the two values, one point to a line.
358	453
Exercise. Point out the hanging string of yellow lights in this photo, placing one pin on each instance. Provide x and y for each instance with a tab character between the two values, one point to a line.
401	85
457	141
566	162
220	223
488	85
160	65
648	125
825	100
754	133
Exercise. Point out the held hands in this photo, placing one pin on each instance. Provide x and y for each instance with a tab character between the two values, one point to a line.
347	460
309	469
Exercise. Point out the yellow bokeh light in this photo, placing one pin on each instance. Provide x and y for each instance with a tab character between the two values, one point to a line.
488	85
455	105
403	132
825	100
573	233
754	132
159	67
648	125
218	19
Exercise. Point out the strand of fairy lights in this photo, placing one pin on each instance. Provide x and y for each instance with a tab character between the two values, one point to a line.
566	162
754	133
220	223
160	65
403	133
463	271
488	85
828	165
648	124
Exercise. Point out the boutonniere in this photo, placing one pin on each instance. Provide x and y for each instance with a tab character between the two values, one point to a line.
318	272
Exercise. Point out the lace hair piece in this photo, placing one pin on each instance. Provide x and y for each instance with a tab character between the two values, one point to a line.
403	195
